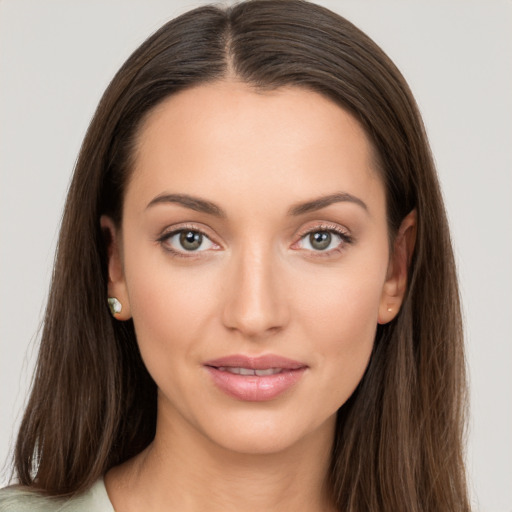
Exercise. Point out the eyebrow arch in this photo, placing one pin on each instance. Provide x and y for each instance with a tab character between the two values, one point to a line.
194	203
324	201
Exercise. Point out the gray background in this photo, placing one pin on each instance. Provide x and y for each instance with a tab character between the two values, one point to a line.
56	58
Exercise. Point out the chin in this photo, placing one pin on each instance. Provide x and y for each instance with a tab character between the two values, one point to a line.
267	434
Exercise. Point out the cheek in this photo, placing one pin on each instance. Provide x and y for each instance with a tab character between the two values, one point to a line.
169	306
171	310
339	316
344	301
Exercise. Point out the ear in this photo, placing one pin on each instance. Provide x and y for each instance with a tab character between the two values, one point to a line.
116	280
395	286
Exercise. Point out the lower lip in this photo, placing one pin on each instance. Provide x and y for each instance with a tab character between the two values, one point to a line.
253	388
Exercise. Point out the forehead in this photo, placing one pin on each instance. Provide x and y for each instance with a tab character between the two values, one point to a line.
281	144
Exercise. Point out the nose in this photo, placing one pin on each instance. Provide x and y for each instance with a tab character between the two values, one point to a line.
255	303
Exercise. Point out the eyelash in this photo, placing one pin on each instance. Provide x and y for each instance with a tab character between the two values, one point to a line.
323	228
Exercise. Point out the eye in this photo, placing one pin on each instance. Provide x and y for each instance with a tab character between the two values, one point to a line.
320	240
324	240
187	240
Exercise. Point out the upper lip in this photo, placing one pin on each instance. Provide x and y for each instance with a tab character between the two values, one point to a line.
255	363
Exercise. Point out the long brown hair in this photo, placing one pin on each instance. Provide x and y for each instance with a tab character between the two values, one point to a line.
398	442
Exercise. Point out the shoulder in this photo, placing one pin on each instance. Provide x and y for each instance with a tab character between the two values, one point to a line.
22	499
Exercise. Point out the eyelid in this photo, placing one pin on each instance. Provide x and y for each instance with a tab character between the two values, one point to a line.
323	226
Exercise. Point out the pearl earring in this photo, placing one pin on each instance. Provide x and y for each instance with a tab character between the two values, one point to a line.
114	305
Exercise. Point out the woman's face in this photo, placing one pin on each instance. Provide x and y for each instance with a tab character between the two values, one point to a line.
253	257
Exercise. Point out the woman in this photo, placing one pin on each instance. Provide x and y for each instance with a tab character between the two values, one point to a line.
256	202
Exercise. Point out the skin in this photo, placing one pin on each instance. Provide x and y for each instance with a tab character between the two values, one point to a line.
256	286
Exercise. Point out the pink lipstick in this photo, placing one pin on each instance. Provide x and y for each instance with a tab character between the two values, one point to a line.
255	379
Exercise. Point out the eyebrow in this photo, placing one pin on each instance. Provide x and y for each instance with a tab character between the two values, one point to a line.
193	203
204	206
324	201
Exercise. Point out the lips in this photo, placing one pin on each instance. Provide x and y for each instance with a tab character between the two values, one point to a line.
255	379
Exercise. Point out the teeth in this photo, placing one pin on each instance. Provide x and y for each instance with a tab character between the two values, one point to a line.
250	371
270	371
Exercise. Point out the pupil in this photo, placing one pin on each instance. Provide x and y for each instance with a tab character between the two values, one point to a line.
191	240
320	240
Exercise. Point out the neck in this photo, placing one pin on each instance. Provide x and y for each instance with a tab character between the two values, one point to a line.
218	479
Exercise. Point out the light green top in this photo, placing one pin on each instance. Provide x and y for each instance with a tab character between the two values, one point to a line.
17	499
